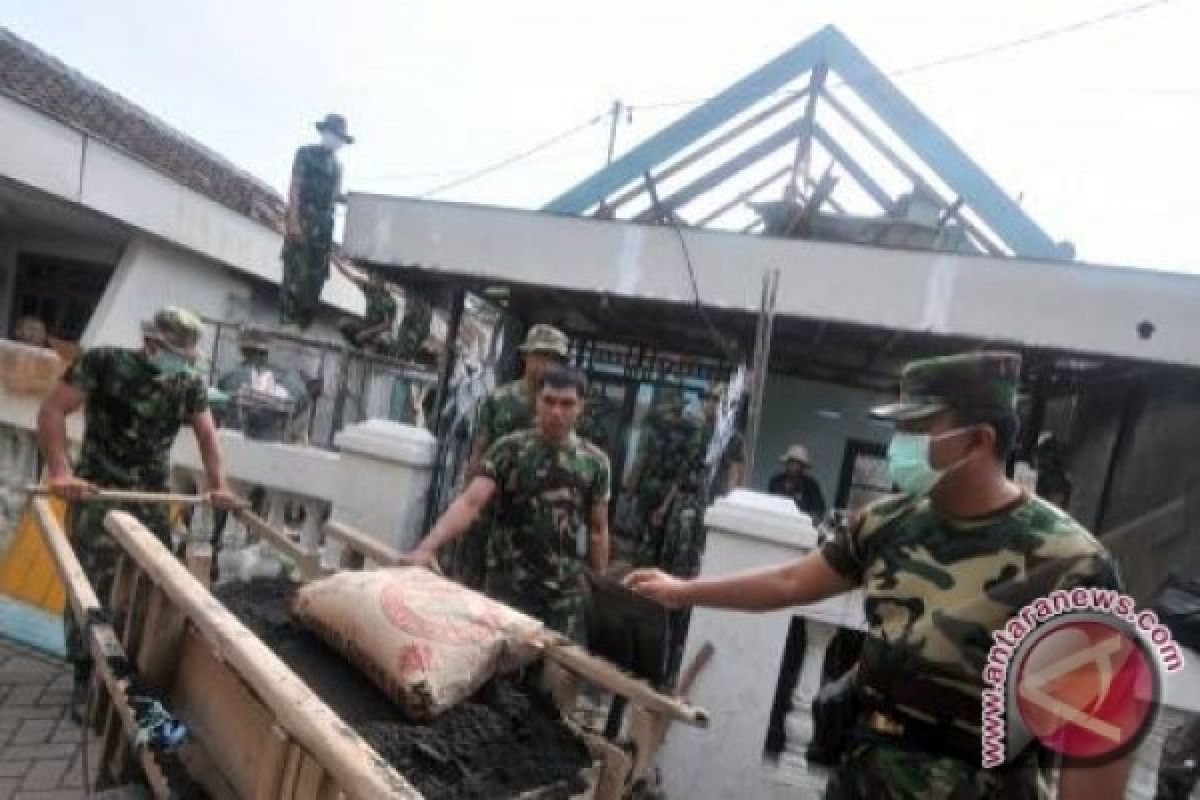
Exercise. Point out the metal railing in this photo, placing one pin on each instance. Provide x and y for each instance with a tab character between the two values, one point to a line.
344	385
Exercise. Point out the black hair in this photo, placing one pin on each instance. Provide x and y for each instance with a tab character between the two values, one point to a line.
563	377
1005	425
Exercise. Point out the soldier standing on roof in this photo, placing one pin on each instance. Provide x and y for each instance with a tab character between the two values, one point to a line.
509	409
942	566
308	231
134	403
550	490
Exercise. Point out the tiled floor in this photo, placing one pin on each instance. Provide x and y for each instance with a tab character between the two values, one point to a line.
40	751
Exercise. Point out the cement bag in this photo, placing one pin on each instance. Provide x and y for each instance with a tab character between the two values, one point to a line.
426	641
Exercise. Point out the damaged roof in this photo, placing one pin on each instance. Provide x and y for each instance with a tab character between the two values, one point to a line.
37	79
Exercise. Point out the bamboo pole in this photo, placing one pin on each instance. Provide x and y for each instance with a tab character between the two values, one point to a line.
128	496
357	768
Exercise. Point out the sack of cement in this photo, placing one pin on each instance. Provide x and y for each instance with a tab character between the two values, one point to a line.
427	642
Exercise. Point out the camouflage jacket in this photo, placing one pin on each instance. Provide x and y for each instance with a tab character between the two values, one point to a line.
381	305
936	588
544	499
507	410
316	176
669	442
415	325
132	416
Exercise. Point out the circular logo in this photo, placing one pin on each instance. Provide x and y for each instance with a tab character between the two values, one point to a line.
1086	686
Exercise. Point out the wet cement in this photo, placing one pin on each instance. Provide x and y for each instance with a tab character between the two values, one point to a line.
506	739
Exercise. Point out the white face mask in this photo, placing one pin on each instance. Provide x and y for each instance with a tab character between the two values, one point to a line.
908	461
332	141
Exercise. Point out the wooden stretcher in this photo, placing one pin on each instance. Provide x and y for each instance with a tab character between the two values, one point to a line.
257	731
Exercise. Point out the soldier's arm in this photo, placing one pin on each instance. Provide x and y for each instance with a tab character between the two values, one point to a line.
1101	782
806	580
209	446
64	400
456	521
598	538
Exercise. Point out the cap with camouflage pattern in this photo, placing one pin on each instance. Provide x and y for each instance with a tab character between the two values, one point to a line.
546	339
984	383
176	329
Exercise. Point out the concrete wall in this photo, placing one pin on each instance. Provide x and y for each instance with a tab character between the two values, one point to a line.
792	415
1062	305
1153	512
41	153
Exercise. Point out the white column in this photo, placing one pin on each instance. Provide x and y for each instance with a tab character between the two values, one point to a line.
384	475
799	726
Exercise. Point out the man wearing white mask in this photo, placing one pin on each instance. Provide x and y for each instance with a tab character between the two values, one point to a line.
308	234
943	565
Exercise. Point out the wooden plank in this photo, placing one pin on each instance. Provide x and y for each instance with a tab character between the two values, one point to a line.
199	562
225	715
290	773
362	544
271	761
614	769
604	674
308	561
162	633
356	767
133	611
101	639
308	784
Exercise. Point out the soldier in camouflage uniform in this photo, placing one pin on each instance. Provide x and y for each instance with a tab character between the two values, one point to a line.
670	437
256	355
374	329
308	235
507	410
942	566
414	327
134	403
550	490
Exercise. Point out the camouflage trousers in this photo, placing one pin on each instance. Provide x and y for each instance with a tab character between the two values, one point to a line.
98	554
564	612
874	771
305	270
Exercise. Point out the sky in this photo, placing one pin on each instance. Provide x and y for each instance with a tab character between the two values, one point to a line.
1095	130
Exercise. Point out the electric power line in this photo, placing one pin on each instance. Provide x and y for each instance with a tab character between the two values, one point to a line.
970	55
537	148
957	58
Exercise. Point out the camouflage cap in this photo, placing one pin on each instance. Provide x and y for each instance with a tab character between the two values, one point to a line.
176	329
546	339
982	384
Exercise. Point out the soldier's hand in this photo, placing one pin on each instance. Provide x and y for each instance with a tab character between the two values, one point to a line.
418	558
225	500
68	487
658	586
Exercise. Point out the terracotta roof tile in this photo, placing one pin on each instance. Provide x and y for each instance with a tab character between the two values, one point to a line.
43	82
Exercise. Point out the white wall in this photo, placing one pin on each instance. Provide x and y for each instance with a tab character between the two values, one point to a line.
51	157
790	416
1055	304
151	275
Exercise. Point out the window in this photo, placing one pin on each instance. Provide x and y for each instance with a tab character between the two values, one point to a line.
63	293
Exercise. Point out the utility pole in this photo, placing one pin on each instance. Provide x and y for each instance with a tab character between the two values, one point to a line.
617	108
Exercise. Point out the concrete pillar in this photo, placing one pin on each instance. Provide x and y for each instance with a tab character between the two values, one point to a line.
384	475
748	530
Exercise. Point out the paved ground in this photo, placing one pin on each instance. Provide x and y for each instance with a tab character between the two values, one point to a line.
40	752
